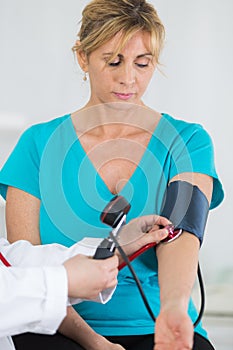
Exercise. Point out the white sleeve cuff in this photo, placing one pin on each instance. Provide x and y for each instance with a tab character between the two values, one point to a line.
105	295
102	298
55	302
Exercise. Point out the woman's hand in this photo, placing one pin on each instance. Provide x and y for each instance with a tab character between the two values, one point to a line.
173	330
88	277
141	231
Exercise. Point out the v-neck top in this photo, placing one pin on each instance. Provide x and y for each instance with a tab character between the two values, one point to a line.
50	163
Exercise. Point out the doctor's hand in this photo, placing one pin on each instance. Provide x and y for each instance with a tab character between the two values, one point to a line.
88	277
173	330
141	231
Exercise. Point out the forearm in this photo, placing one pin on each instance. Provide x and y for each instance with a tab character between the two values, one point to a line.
177	263
75	328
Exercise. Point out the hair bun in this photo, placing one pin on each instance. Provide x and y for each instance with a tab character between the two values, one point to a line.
134	3
139	2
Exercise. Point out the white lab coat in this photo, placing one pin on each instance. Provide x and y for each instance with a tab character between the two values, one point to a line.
33	291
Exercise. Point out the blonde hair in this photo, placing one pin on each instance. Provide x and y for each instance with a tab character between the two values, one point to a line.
103	19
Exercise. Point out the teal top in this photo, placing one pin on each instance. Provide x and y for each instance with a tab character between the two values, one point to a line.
50	163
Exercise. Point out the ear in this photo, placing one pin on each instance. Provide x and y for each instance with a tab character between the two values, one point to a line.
82	58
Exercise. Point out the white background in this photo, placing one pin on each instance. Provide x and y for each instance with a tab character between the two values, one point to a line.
39	80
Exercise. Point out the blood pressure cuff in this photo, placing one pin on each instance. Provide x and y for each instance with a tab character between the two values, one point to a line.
186	206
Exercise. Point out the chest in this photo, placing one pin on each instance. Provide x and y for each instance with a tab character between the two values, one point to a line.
116	159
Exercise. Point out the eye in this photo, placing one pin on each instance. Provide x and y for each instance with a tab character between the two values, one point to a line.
114	64
140	65
143	62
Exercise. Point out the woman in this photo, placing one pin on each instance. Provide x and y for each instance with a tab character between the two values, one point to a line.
62	173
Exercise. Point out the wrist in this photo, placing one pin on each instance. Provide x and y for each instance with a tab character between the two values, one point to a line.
175	295
98	342
90	340
174	302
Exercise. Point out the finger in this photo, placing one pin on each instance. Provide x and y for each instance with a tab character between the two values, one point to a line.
162	221
112	279
149	221
155	236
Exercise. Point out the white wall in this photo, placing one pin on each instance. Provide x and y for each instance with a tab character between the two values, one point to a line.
39	79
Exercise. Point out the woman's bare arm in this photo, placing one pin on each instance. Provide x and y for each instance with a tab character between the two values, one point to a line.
22	216
177	268
77	329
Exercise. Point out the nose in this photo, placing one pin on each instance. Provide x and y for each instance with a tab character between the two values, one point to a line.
127	75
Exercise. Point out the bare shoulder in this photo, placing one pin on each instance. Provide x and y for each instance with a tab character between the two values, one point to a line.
22	216
203	181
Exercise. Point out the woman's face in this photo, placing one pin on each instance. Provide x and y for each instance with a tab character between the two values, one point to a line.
123	79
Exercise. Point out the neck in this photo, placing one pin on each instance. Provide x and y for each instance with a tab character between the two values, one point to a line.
115	119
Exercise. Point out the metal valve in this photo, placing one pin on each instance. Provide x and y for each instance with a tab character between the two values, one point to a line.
114	215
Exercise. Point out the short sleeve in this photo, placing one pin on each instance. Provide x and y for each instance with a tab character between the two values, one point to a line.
195	153
21	169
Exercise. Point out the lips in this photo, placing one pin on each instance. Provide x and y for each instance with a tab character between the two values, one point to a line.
123	96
